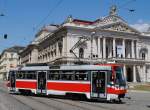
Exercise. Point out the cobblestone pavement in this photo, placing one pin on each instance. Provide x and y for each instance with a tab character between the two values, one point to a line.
138	101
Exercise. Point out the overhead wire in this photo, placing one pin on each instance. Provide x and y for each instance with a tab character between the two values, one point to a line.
49	13
125	4
2	8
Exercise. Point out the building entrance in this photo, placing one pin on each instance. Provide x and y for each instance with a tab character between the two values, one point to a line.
129	74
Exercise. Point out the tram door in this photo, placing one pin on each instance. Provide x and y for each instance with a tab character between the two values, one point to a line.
98	84
41	82
12	81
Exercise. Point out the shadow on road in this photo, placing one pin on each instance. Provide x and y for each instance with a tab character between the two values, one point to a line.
74	97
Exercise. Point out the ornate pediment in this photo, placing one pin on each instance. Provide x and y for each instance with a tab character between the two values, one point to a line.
120	27
113	22
109	20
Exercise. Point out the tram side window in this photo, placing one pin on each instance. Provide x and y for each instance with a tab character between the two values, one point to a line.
26	75
81	75
54	75
109	76
67	75
21	75
31	75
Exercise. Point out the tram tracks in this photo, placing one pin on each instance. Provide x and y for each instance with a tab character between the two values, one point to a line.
24	100
72	104
62	104
95	105
92	105
45	102
31	108
82	105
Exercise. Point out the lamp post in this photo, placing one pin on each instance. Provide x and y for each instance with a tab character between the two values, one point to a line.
2	14
5	35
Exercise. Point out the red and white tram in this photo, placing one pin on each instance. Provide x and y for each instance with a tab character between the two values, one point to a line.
94	81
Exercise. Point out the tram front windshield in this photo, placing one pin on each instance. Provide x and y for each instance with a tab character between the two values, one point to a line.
120	80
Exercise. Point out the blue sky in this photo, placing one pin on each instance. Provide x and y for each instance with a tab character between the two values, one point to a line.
23	17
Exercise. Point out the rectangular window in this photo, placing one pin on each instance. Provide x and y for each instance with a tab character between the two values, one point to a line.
81	75
30	75
67	75
26	75
54	75
21	75
109	76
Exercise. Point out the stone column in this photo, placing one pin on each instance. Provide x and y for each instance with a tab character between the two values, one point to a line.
99	47
91	53
132	49
123	45
57	50
128	49
124	72
134	73
104	47
94	46
64	46
114	47
136	48
144	73
50	52
110	49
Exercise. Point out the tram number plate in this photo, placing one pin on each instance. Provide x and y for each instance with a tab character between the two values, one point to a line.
98	95
39	91
94	94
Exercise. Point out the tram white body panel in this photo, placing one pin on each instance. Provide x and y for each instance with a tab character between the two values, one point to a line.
91	80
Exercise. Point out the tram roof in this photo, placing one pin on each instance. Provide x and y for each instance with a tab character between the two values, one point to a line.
85	67
31	68
66	67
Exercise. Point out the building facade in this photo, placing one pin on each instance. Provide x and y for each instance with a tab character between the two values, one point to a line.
105	40
9	59
28	55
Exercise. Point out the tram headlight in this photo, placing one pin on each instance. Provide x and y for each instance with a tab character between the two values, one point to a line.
122	88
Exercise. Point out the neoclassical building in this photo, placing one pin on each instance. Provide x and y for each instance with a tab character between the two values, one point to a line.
8	60
105	40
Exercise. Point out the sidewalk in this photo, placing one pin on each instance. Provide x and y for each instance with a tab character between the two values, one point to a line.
138	91
3	83
139	87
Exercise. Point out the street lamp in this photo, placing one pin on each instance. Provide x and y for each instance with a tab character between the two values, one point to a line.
2	14
5	36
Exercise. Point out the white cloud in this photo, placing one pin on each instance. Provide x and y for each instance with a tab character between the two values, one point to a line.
141	26
140	21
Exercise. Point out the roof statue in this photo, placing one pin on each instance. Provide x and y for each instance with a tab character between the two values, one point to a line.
69	19
113	10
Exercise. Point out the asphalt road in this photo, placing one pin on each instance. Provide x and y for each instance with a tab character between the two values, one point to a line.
138	101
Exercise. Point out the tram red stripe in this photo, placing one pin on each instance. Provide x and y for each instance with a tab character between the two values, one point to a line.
76	87
26	84
114	91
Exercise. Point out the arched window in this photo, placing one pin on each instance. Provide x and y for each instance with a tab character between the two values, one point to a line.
81	53
143	53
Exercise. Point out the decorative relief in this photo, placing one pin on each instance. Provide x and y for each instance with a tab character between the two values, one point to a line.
112	19
119	27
